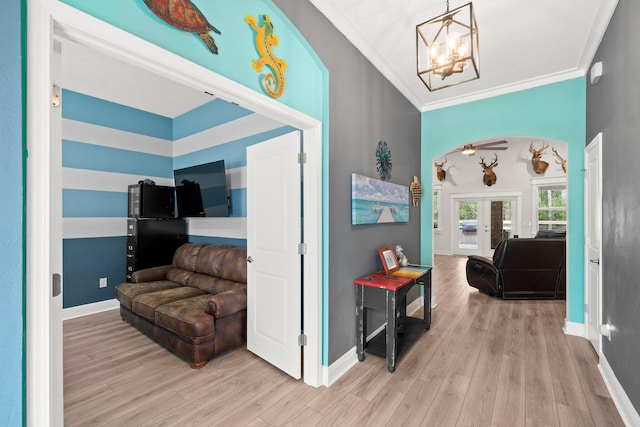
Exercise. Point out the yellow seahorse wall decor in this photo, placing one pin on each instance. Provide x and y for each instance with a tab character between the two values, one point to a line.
273	82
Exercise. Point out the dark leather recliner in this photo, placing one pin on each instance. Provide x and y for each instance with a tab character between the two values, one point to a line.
521	269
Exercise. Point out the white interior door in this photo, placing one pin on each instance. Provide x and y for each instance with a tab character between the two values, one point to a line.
593	237
273	262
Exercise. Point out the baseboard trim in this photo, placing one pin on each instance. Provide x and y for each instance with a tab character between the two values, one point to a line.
573	328
415	305
442	252
332	373
620	399
87	309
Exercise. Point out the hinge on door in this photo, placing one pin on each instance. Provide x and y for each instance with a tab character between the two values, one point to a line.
586	307
302	158
302	248
55	96
302	340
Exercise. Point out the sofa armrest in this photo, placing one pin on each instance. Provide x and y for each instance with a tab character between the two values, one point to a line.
151	274
482	260
228	302
483	275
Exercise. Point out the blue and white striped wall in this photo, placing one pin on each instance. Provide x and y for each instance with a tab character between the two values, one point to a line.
107	146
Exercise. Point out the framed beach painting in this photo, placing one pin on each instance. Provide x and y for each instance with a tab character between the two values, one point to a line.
375	202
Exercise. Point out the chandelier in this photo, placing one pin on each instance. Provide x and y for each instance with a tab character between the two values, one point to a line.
447	48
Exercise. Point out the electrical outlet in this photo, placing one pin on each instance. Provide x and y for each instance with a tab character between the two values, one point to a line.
103	282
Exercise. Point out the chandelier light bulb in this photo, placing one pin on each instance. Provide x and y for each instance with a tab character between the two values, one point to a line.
434	53
453	41
462	50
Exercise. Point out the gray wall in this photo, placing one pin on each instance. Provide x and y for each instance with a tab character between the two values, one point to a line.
613	107
364	108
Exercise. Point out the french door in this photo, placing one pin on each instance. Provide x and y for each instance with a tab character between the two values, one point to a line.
480	223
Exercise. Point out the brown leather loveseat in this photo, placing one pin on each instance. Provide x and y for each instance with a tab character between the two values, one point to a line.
195	307
521	269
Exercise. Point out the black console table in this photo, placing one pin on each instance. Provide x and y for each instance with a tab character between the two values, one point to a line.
401	330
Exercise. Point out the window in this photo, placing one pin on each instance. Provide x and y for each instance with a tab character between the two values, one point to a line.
436	207
552	207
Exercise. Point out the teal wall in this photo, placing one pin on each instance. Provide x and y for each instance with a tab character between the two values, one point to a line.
11	225
556	111
304	90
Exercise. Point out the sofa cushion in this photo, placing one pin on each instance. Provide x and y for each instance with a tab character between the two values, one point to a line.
179	275
186	256
187	318
234	266
210	259
126	292
212	285
145	304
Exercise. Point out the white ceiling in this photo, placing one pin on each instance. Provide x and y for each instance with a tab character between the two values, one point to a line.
87	71
523	43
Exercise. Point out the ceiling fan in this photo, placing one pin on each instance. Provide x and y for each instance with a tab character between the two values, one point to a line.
470	149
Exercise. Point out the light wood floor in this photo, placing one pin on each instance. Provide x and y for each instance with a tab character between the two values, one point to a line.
485	362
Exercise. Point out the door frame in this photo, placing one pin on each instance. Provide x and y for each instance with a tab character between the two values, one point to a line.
46	18
594	145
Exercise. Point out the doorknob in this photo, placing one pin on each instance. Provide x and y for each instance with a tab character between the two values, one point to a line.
595	261
249	259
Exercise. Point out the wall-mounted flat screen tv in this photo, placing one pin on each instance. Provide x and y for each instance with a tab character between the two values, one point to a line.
201	190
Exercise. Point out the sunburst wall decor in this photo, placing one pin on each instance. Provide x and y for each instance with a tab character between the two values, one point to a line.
383	160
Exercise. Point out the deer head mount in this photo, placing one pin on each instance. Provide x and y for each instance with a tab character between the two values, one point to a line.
562	162
440	173
489	177
539	165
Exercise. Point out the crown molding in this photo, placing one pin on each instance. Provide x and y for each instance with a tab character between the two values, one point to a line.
598	30
591	44
335	17
505	89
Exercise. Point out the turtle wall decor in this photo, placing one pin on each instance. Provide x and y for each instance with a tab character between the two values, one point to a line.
185	16
383	160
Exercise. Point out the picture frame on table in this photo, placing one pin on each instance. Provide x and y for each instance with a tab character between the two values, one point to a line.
389	259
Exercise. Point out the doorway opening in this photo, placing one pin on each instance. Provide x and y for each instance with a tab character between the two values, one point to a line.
43	237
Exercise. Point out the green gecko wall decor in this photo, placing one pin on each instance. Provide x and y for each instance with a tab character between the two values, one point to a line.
273	82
